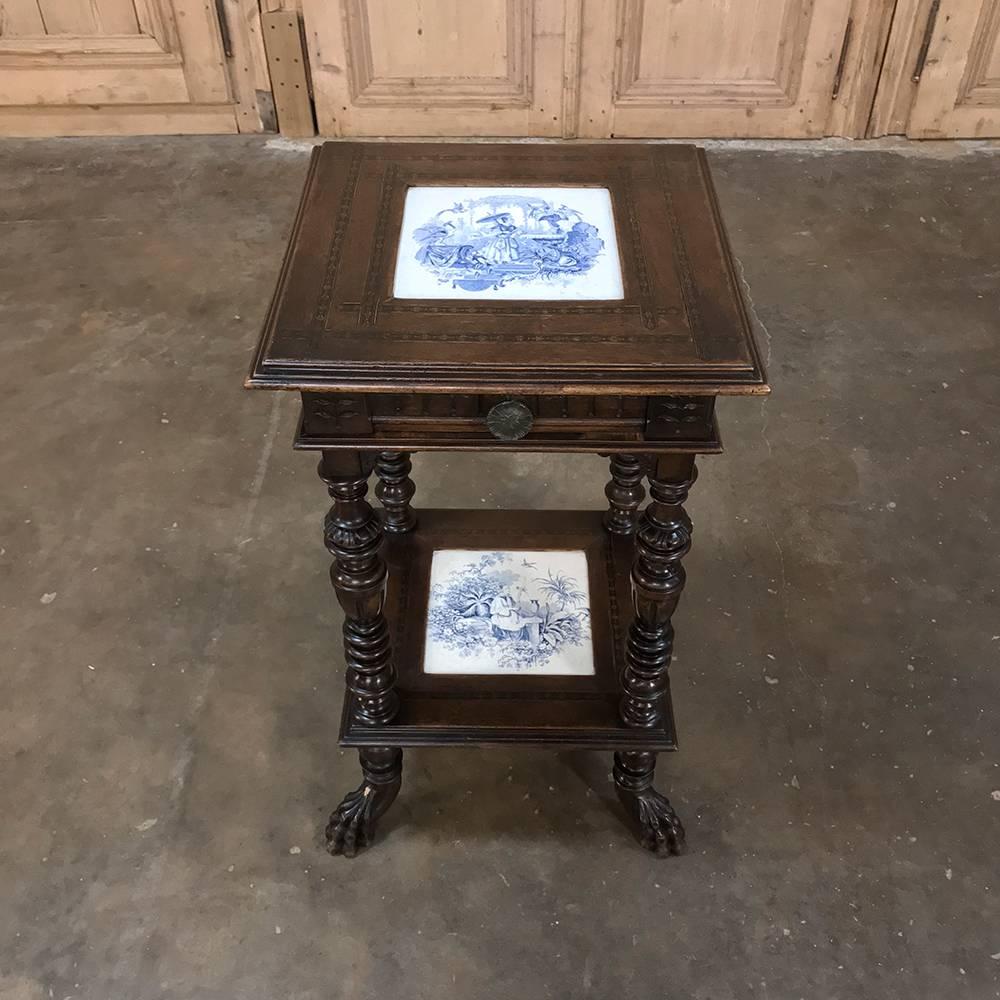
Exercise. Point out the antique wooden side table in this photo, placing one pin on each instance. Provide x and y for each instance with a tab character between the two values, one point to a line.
508	297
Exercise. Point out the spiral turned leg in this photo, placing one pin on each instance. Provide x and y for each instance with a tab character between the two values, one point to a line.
353	535
663	538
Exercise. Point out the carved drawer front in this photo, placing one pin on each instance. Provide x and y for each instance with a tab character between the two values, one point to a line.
468	420
680	418
546	411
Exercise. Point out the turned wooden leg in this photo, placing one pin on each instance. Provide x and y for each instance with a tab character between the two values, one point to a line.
625	493
353	534
663	539
395	490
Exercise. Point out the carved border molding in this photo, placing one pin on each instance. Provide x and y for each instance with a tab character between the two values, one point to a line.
290	338
647	310
368	312
689	291
325	297
371	304
356	321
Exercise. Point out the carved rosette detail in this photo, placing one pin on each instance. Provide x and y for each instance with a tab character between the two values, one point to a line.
395	490
625	494
353	535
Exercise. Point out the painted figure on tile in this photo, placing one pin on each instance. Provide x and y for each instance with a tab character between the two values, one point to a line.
491	241
495	607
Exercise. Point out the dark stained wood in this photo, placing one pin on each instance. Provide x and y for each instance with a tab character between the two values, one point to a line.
680	419
353	536
425	422
336	415
569	711
625	493
635	379
662	540
395	490
680	329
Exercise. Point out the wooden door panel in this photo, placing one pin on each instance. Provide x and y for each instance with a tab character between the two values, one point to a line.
664	63
104	85
64	62
20	17
718	67
401	46
447	67
958	95
67	17
116	17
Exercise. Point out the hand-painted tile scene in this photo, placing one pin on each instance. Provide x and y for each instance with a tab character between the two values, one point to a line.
508	242
512	612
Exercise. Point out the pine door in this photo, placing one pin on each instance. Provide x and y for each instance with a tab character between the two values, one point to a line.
958	73
729	68
90	67
595	68
439	67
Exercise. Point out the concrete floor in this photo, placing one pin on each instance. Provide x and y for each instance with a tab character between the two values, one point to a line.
171	678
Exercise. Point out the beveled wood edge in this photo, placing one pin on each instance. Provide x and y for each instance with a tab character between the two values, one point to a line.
268	329
554	383
730	259
352	735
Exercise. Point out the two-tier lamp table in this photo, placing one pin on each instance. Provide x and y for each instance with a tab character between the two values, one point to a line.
508	297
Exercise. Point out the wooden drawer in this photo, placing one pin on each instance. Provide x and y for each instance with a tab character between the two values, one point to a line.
455	421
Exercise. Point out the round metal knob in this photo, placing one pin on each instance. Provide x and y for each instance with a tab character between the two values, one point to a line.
509	420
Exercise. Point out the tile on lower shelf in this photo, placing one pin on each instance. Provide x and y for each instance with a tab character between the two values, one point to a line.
509	612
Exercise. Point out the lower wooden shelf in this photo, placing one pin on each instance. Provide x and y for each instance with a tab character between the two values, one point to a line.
537	709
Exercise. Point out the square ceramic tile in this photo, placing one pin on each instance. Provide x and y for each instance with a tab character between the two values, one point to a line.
509	612
508	243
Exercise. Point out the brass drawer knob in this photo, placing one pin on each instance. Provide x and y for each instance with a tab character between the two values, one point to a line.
509	420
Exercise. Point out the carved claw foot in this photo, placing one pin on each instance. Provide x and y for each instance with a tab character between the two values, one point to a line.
656	825
352	824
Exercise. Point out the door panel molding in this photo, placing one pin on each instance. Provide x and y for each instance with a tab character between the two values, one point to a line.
443	68
137	119
368	87
778	88
685	68
72	82
72	50
958	92
981	82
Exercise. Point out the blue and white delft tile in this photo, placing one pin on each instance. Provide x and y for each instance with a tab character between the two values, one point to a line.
508	243
509	612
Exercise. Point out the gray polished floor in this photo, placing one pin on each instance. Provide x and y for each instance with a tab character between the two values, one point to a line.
170	679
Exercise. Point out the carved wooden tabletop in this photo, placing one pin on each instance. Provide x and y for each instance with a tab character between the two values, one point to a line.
676	326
